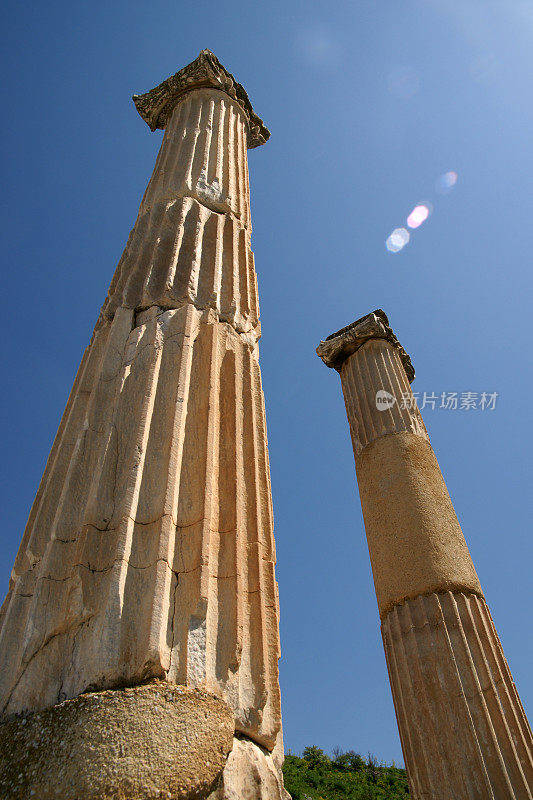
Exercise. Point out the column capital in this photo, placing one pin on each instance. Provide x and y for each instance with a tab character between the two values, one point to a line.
205	72
336	348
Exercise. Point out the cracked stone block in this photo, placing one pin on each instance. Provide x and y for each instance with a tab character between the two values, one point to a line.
149	551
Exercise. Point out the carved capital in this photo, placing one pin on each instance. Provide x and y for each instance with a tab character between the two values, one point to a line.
336	348
156	106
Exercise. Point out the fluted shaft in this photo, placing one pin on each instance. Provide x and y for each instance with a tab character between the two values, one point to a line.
149	550
463	730
376	366
191	240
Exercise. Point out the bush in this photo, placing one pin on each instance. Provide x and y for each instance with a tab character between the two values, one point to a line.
316	757
346	776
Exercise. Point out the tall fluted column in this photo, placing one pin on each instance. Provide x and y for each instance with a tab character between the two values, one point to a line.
149	551
463	730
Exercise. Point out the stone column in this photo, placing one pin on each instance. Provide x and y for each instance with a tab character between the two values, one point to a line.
463	730
149	551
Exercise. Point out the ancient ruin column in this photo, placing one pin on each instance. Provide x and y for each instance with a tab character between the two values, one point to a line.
148	558
463	730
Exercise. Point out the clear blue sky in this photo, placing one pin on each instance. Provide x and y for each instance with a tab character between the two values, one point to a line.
368	103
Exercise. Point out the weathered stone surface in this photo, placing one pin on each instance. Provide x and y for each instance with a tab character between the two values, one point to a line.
147	743
463	730
250	774
377	367
191	240
160	560
336	348
149	551
415	541
156	105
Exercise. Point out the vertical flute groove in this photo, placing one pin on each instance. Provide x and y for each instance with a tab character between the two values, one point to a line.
377	366
463	730
156	558
457	702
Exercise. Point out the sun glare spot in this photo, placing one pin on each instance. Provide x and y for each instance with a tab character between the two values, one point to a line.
446	182
397	240
418	215
318	46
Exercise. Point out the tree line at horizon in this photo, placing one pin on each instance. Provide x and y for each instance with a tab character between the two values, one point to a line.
346	775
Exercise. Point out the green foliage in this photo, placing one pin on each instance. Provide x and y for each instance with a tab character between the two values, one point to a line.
316	757
346	776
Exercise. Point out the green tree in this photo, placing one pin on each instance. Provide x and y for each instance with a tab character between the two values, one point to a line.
346	776
347	761
316	757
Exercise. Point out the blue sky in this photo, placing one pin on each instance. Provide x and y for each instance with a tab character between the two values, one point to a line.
368	103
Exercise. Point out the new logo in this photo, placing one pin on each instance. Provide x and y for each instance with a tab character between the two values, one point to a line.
384	400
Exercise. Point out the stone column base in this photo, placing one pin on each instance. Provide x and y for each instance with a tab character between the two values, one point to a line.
251	773
154	741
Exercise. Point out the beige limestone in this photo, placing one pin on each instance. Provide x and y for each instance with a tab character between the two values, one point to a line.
251	773
463	729
156	106
191	240
175	515
143	743
415	541
377	364
149	550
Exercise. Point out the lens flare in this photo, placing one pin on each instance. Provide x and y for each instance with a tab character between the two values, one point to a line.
446	182
397	240
319	47
418	215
